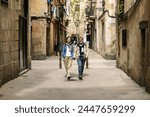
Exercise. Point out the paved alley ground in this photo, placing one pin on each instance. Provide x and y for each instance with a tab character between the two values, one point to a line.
46	81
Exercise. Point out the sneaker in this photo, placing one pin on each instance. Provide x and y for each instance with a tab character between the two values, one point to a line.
80	78
68	77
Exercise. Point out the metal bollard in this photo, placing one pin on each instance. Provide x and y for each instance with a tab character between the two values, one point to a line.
60	60
87	63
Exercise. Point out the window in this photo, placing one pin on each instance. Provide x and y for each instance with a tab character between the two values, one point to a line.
4	2
124	38
121	7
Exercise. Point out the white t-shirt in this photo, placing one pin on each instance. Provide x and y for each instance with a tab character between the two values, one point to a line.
68	53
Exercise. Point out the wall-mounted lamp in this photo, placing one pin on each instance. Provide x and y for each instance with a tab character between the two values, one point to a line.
48	16
93	3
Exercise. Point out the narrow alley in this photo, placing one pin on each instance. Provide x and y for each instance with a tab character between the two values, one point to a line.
46	81
86	57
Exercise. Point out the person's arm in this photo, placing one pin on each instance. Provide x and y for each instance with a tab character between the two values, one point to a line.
63	51
87	50
75	52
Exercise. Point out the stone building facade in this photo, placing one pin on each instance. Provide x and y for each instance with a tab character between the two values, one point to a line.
105	25
40	32
133	40
77	18
48	29
14	39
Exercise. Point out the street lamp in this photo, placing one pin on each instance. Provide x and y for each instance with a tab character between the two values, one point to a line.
93	3
48	16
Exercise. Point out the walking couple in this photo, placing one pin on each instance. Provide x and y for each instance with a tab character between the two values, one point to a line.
72	51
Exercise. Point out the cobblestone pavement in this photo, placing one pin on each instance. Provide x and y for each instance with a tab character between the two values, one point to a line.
46	81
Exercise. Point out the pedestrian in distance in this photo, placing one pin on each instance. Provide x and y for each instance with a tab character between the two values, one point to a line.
81	55
68	56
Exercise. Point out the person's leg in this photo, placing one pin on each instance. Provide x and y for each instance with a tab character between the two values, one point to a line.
66	65
68	74
82	66
69	65
79	67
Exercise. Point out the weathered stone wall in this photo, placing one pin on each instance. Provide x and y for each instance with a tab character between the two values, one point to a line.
29	36
9	41
130	58
42	39
52	38
147	76
0	50
38	7
106	31
39	39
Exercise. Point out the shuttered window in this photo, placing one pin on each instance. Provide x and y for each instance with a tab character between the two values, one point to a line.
124	38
